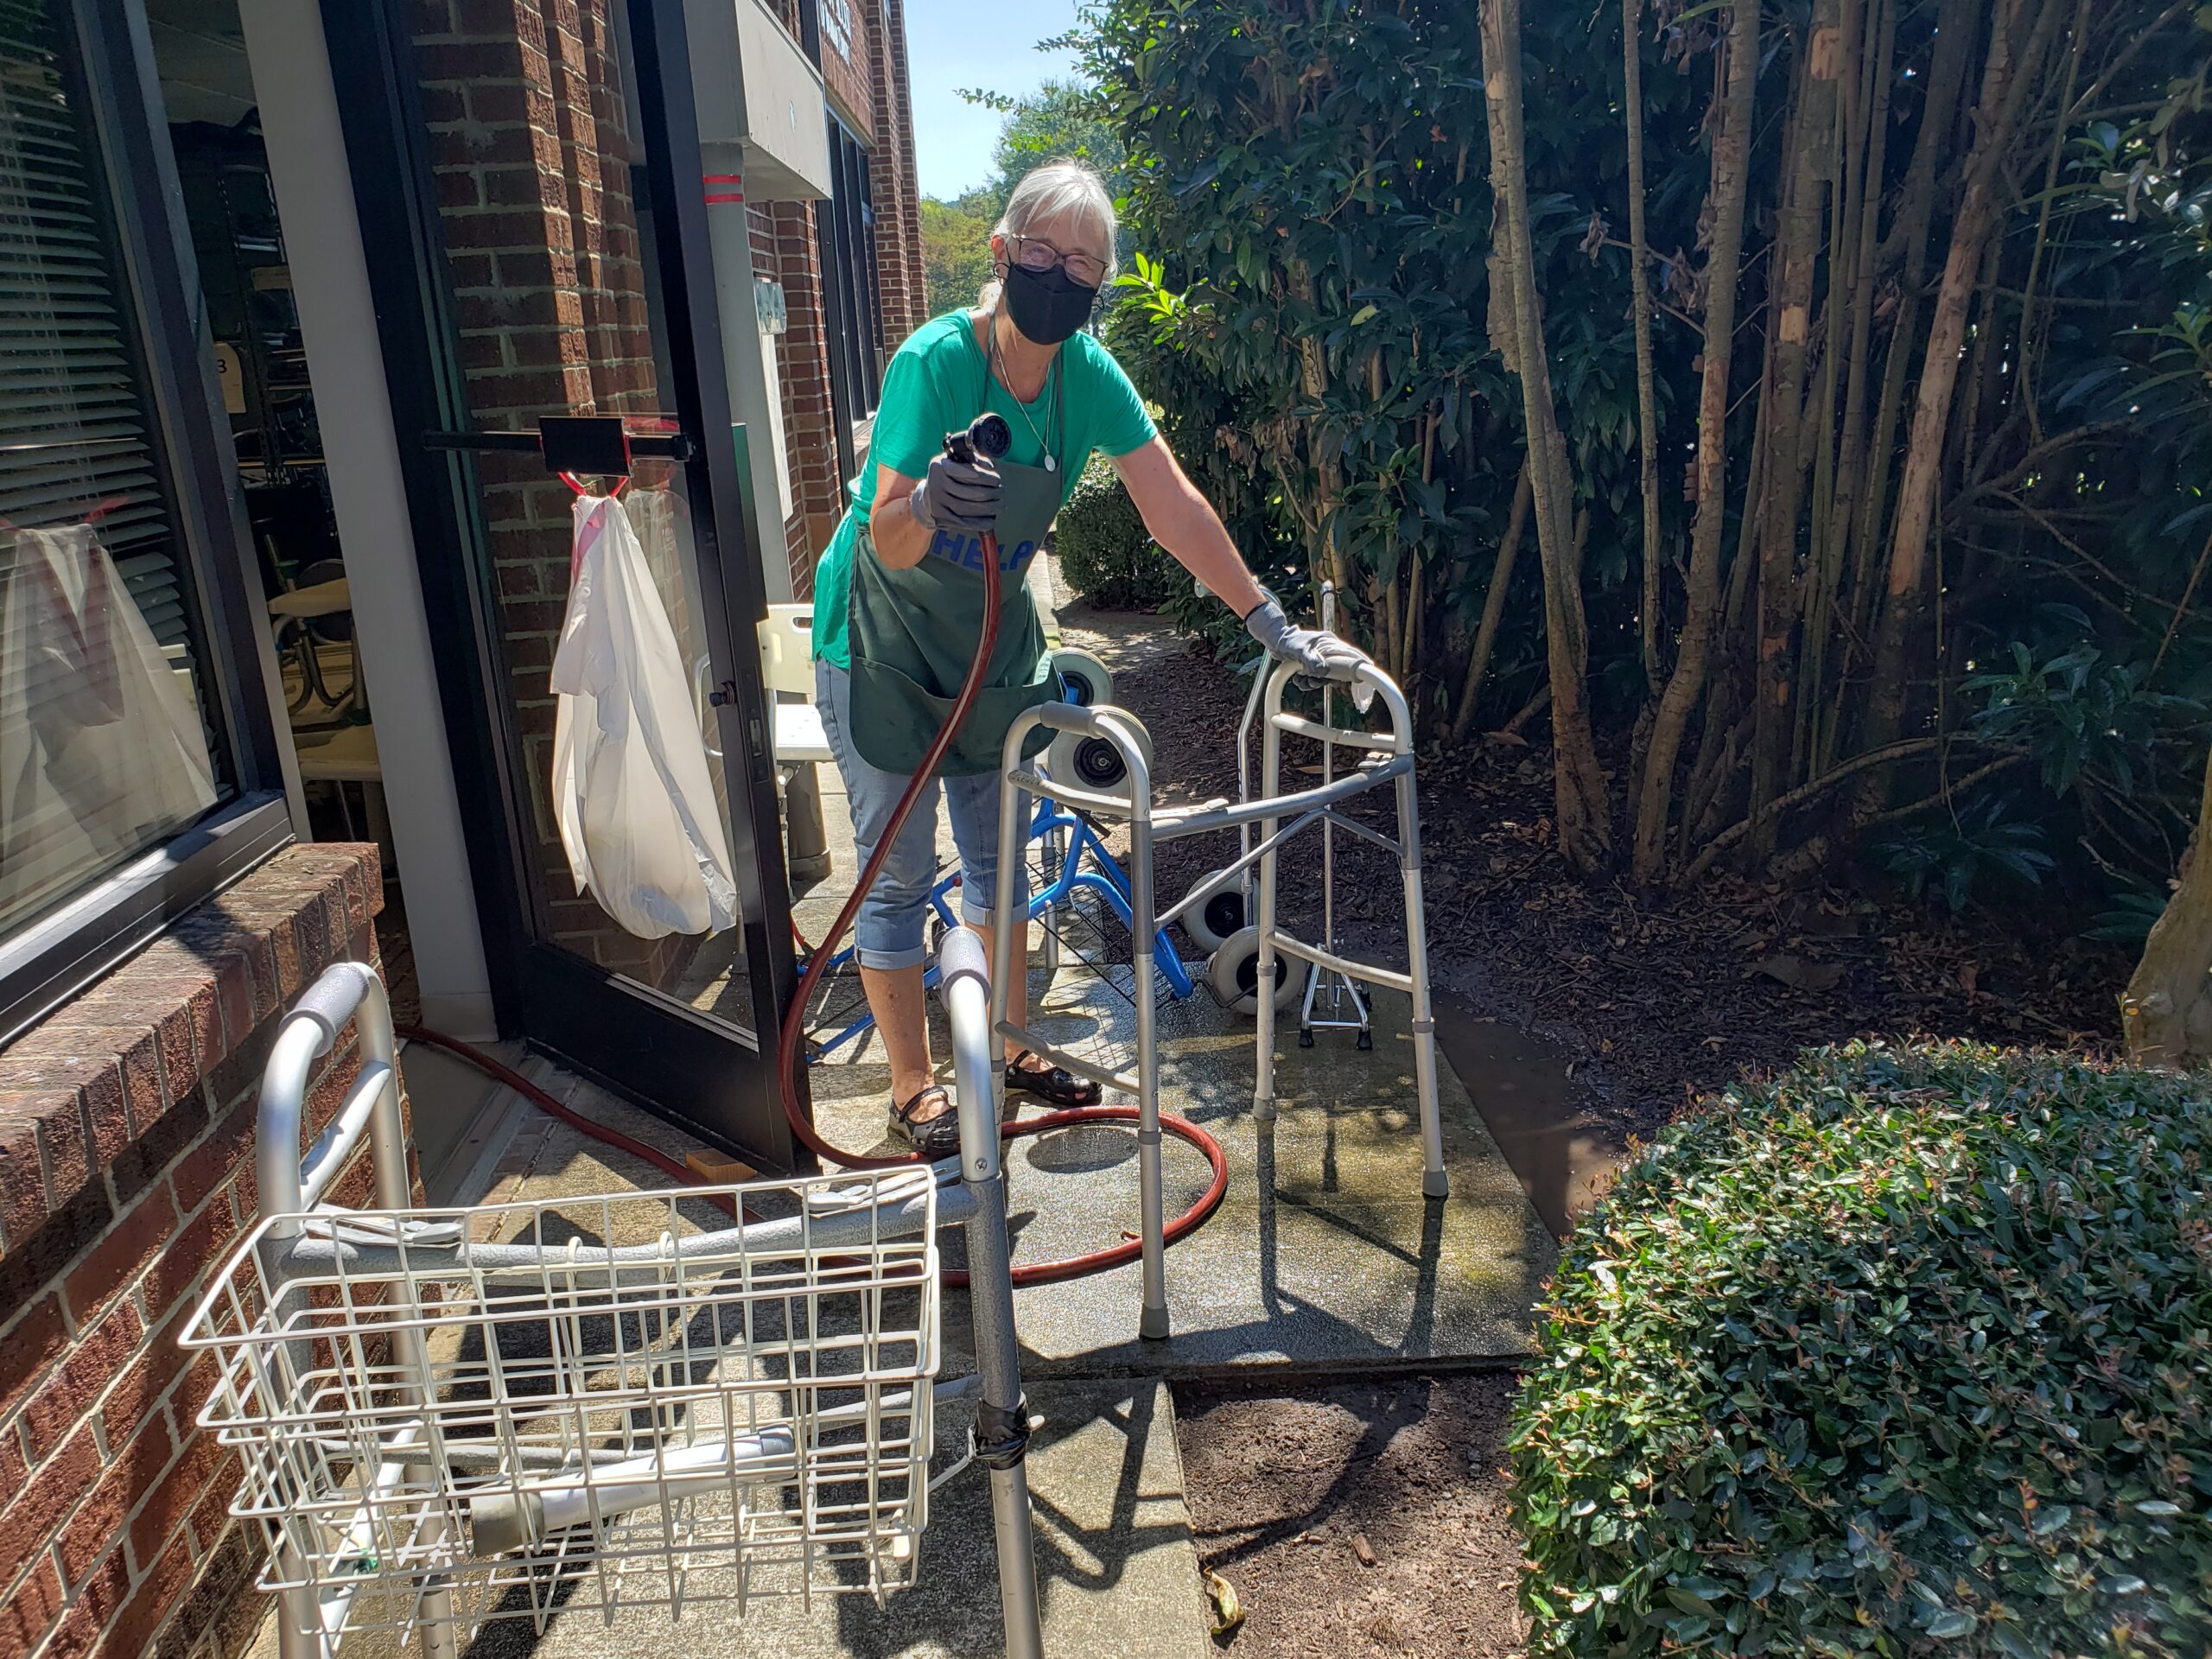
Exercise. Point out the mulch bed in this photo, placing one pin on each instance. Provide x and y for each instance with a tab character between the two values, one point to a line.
1655	999
1371	1518
1368	1519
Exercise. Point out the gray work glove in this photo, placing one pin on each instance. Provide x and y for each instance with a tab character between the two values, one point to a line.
1318	654
956	494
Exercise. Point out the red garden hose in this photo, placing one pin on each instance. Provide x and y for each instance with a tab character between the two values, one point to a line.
789	1054
789	1050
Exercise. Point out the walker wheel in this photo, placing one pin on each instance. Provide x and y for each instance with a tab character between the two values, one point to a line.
1209	923
1233	971
1084	681
1093	763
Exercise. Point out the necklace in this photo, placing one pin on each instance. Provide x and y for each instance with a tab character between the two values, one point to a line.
1050	385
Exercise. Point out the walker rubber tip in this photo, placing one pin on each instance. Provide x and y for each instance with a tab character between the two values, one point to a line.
1436	1184
1264	1109
1153	1327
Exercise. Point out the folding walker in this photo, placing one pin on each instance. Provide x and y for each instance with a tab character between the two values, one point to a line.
1389	759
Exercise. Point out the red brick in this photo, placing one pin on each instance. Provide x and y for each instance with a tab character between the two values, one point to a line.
30	1519
212	1513
64	1155
193	1393
228	973
151	1603
101	1522
178	1269
115	1260
133	1047
232	949
23	1207
31	1610
95	1360
137	1026
329	1092
97	1081
28	1347
136	1400
144	1161
170	1498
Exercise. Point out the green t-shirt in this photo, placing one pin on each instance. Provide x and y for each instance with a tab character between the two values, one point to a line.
932	387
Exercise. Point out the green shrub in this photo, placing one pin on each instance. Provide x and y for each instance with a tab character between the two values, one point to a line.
1106	554
1908	1351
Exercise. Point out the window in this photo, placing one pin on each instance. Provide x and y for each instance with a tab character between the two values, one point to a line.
114	741
849	255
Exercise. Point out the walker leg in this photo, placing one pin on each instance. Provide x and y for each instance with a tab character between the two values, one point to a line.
1151	1321
1263	1071
437	1625
1003	1423
297	1616
1435	1182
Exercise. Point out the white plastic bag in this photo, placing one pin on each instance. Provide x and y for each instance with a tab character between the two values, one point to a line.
631	785
101	749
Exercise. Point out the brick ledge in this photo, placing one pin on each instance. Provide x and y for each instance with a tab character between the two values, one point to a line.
96	1099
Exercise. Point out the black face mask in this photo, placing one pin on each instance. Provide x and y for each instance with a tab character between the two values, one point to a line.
1047	306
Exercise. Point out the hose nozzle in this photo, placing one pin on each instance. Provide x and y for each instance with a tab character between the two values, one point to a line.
987	438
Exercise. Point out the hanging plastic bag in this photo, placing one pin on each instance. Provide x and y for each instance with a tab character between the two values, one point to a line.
101	750
631	784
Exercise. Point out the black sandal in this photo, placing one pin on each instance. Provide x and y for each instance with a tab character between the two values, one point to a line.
936	1137
1057	1087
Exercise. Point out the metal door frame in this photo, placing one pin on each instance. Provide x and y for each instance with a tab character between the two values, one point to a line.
715	1081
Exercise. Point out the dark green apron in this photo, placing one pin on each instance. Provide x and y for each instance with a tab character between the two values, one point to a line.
913	634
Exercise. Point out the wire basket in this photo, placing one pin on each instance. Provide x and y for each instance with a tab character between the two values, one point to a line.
580	1403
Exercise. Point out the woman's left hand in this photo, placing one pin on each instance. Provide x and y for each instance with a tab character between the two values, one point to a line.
1318	653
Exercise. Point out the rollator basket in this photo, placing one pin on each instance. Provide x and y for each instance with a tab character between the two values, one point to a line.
599	1403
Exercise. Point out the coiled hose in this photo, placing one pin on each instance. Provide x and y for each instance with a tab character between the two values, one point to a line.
790	1049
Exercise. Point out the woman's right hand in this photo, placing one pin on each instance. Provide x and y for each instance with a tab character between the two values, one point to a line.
958	495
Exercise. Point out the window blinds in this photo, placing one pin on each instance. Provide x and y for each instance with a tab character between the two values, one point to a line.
77	449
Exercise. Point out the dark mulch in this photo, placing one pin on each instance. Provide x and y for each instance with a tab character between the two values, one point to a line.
1367	1519
1655	999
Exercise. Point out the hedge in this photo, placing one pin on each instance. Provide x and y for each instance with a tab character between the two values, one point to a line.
1906	1352
1106	554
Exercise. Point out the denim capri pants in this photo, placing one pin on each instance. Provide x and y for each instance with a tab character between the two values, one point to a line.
889	929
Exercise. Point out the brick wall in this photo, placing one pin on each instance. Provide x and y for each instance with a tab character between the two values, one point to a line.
892	181
531	149
126	1175
809	439
849	48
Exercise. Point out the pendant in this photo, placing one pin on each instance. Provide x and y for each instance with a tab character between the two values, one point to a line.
1051	465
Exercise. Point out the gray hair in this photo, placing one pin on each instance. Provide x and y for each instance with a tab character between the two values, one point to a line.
1058	188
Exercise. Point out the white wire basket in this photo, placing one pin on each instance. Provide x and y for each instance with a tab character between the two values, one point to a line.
637	1408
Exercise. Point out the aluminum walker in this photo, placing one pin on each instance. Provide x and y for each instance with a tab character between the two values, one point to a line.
1387	759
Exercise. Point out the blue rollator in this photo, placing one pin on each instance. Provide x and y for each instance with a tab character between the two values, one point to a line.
1085	865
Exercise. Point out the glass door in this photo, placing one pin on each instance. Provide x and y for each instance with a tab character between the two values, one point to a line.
539	293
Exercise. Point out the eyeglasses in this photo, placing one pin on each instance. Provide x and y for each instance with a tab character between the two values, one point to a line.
1034	253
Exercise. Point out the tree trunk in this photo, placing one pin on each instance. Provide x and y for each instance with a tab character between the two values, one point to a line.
2166	1014
1867	155
1731	183
1582	808
1955	38
1798	248
1647	399
1501	579
2011	69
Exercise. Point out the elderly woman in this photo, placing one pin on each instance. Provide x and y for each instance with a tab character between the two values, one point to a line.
899	597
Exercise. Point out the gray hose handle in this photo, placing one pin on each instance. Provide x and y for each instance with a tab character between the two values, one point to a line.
331	999
961	953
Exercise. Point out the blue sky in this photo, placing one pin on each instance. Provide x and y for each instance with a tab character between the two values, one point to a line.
991	46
